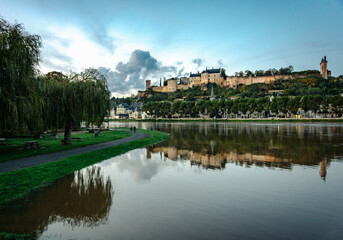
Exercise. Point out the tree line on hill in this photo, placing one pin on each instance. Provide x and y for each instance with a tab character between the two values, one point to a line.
270	72
246	107
32	102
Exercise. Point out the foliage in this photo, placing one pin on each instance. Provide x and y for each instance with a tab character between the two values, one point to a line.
19	100
33	104
263	107
70	100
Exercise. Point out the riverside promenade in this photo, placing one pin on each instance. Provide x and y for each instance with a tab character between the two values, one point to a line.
17	164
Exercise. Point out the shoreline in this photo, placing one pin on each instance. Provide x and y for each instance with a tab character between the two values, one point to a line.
230	120
19	184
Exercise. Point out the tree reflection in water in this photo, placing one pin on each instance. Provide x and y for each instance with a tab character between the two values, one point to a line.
211	146
83	198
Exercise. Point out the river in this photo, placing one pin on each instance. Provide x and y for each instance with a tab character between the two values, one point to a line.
239	180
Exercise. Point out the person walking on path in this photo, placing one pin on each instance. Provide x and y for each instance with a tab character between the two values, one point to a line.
131	128
134	129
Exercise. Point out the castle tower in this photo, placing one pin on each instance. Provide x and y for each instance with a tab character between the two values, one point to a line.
324	68
172	85
147	84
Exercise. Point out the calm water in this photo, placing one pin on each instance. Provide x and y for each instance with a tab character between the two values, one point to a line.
207	181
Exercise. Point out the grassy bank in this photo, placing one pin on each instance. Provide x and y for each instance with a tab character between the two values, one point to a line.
13	236
17	184
15	150
233	120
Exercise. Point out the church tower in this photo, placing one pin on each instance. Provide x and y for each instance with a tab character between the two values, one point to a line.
324	68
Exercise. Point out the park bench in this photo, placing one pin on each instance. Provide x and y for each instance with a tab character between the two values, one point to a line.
77	139
3	142
31	144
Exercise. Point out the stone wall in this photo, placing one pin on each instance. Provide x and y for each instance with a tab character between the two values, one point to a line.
233	82
229	82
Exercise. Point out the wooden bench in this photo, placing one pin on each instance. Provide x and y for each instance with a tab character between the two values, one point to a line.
3	142
31	144
77	139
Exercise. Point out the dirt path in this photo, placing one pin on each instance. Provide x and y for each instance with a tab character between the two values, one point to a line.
16	164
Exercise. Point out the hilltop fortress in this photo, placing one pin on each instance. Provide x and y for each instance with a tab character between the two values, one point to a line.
218	76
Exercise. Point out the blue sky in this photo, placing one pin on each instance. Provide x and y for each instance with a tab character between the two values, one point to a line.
130	41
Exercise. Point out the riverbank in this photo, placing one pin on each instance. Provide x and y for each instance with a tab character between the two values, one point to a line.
15	149
231	120
18	184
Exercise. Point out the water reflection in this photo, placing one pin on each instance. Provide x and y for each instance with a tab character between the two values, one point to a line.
212	146
83	198
139	164
323	166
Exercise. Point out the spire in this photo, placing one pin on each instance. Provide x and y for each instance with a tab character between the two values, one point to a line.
212	94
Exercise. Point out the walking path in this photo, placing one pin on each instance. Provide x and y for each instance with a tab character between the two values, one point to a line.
16	164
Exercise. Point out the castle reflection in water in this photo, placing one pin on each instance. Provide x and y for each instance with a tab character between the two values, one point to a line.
212	146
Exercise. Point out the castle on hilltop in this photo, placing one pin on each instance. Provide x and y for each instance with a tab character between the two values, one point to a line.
218	76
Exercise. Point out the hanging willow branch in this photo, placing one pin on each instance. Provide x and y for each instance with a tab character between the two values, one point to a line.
79	97
19	57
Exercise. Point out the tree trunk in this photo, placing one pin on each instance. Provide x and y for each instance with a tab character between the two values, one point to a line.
67	132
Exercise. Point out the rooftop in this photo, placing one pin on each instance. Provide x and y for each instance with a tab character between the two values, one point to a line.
216	70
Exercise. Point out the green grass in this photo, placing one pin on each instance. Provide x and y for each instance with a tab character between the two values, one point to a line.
19	183
15	148
13	236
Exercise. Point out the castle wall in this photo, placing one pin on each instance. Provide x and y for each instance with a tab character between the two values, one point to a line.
160	89
194	81
171	85
184	87
233	82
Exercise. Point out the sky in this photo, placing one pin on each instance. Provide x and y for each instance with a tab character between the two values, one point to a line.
131	41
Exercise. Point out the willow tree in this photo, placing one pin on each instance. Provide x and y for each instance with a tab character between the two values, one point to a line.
75	98
19	57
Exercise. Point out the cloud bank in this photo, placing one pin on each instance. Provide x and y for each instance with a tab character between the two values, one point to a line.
130	77
198	61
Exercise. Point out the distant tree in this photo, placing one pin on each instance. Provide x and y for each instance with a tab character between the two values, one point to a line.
248	73
273	71
268	73
222	73
282	104
274	106
293	105
259	73
286	70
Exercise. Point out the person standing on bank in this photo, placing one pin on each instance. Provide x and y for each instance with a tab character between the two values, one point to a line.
134	129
